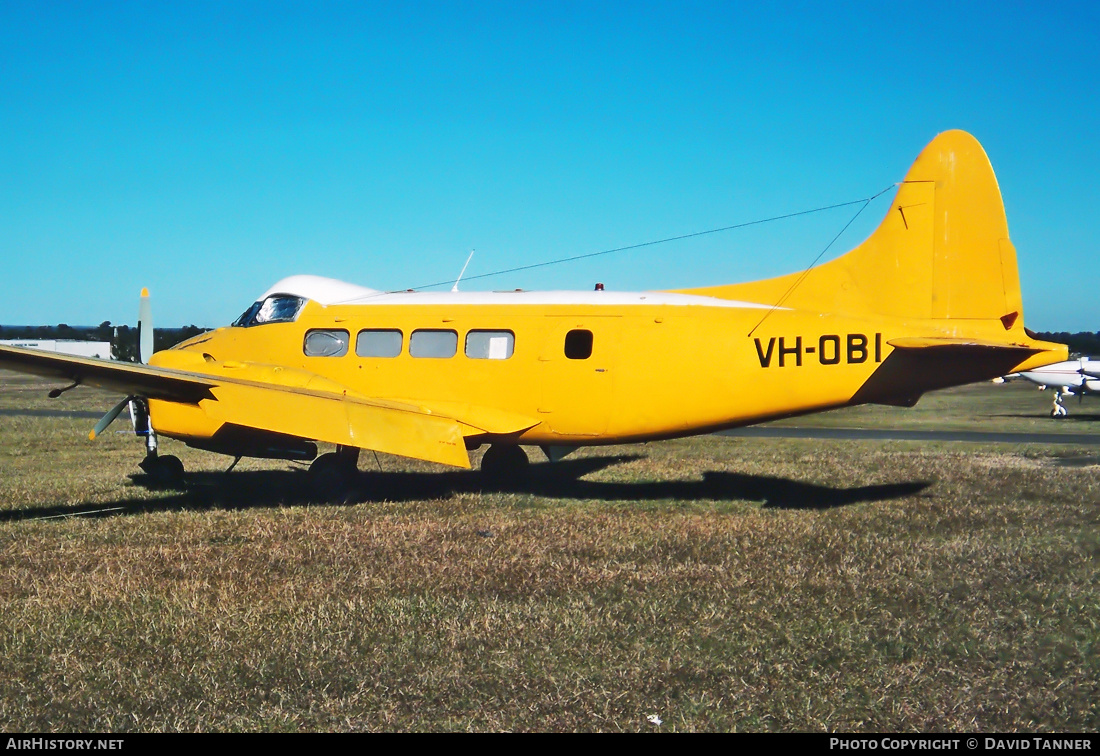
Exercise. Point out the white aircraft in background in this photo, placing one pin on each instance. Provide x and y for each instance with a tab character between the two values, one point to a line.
1072	377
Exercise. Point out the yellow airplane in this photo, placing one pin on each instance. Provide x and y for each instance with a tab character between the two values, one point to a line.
931	299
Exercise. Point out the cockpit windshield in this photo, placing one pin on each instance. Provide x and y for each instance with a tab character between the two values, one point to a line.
278	308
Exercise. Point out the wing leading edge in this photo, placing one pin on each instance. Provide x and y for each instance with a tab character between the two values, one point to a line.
124	377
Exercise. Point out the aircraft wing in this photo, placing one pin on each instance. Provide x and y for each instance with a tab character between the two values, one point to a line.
301	404
124	377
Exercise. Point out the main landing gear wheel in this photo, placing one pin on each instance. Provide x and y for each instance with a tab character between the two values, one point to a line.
333	476
505	463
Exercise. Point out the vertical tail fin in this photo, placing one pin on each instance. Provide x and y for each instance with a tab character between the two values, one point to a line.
941	253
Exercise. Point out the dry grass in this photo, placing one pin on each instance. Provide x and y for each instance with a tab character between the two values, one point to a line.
724	584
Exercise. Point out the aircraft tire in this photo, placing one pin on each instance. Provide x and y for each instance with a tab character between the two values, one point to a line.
505	463
333	479
164	470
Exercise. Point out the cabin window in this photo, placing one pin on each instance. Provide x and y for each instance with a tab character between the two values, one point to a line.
278	308
578	344
379	342
326	343
433	343
490	345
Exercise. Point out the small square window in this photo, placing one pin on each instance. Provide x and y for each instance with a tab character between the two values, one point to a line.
433	343
578	344
490	345
378	342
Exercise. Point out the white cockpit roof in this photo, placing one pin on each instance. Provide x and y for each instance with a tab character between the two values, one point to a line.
329	291
322	290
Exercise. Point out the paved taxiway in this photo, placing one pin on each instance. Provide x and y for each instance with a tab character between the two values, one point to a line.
864	434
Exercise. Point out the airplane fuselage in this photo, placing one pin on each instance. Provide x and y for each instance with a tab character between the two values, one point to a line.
1071	376
565	368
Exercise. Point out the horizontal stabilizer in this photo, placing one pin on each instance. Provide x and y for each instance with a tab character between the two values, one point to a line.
1014	356
918	364
962	345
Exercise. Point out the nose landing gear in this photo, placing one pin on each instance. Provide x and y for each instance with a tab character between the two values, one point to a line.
1058	410
166	470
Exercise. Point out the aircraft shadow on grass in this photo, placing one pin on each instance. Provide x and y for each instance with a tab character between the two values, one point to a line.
562	480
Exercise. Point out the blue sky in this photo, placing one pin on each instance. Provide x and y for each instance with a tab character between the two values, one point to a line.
206	150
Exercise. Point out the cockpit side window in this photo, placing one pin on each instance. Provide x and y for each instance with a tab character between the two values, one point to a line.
323	342
247	315
278	308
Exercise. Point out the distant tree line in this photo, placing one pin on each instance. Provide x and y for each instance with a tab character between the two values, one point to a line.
1083	343
123	338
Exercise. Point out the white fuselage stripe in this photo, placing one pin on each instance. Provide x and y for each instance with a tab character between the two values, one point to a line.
547	298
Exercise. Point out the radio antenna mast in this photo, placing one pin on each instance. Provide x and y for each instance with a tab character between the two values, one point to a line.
463	271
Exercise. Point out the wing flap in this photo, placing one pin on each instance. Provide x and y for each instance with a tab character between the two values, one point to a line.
339	420
480	419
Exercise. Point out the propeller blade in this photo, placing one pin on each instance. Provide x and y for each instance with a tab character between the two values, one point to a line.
145	328
108	418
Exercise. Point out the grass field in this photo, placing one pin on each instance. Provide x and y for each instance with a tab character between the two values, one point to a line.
719	583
